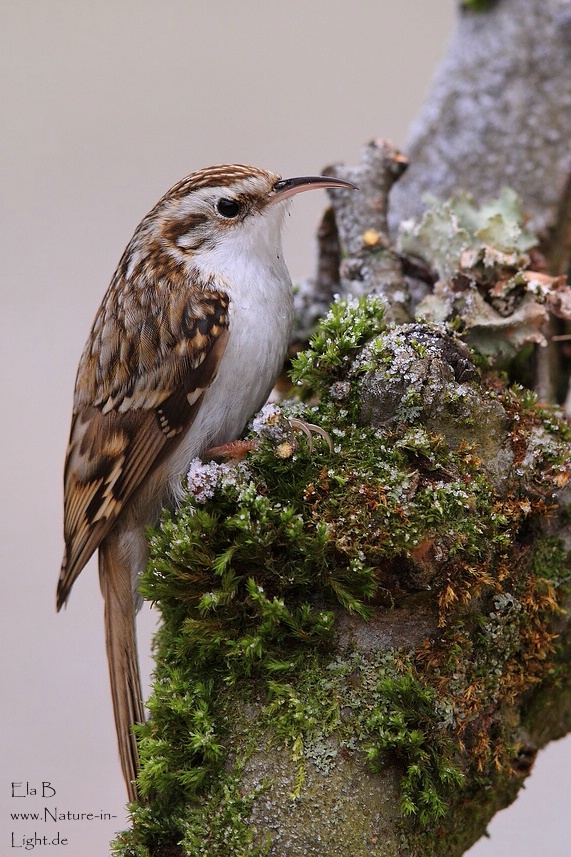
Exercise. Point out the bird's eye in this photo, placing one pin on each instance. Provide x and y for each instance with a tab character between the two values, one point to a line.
228	207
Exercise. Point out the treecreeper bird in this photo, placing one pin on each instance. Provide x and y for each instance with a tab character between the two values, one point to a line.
185	347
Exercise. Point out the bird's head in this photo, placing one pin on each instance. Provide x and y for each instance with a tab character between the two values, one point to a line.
217	213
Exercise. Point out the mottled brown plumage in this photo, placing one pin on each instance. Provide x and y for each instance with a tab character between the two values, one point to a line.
142	384
186	345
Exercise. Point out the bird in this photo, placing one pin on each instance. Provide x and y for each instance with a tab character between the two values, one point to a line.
184	349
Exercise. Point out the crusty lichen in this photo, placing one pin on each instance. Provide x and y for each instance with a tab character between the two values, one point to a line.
342	627
492	281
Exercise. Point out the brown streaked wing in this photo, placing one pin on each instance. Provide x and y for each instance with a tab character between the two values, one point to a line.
111	454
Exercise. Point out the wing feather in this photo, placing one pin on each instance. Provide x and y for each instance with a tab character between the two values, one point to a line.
132	407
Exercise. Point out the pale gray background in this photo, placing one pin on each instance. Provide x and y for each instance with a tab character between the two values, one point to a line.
105	104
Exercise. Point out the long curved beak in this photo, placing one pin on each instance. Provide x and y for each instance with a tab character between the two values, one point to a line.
285	188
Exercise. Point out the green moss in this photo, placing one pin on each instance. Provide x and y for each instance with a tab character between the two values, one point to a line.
217	825
346	328
254	570
408	723
478	5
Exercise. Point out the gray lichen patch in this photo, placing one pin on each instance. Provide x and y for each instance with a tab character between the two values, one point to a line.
421	374
341	812
491	280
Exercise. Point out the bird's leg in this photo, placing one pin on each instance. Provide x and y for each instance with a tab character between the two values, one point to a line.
235	450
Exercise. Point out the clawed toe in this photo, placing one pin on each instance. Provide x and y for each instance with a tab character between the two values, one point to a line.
309	429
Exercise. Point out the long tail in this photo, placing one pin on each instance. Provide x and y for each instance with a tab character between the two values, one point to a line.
115	575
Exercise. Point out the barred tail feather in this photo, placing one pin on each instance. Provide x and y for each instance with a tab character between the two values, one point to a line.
116	575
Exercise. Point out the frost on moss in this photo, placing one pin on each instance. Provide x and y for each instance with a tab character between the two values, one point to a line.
342	624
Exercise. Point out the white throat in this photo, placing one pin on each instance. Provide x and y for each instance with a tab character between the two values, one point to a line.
252	271
252	248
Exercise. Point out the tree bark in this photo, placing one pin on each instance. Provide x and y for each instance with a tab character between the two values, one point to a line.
499	113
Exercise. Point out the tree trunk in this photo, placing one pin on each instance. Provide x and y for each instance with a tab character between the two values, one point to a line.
363	648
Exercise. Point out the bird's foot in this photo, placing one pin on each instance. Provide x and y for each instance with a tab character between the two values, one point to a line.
273	425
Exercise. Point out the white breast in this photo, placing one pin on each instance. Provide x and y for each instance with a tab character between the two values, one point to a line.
252	270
